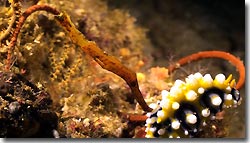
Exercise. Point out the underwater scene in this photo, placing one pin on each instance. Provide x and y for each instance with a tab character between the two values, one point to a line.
122	69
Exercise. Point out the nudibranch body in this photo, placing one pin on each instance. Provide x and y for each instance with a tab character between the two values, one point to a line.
186	107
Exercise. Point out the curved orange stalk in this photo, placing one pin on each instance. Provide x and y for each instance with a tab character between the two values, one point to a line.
137	118
214	54
20	23
106	61
15	6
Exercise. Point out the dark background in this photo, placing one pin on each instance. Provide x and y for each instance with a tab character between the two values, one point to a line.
189	25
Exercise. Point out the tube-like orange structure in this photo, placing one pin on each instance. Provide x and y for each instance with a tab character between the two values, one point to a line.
214	54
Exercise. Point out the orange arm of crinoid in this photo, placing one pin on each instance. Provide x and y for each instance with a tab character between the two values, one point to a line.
106	61
214	54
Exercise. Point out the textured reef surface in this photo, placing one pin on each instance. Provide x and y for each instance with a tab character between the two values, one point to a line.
51	86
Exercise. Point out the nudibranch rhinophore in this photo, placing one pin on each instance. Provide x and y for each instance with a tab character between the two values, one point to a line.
186	107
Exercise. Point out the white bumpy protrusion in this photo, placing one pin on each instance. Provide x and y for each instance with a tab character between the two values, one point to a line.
215	99
175	105
175	124
220	78
191	118
191	95
205	112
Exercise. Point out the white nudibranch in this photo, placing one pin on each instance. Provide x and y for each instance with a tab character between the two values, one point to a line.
186	107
